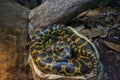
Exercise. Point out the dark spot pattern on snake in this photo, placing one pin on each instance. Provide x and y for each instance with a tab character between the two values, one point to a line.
70	56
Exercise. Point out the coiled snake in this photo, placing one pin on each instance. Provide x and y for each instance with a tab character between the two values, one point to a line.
58	50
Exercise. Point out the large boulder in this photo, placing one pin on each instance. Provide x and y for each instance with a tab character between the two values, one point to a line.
13	33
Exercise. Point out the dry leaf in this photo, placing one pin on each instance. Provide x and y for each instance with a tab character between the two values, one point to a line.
94	32
104	34
112	45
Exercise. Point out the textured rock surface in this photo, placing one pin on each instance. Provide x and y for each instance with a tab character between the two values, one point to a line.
13	32
58	11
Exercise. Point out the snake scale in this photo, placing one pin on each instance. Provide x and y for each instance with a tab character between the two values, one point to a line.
58	50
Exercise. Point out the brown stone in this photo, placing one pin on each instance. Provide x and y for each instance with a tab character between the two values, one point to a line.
13	33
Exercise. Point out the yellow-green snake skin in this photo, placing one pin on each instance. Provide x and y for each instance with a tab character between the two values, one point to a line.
58	50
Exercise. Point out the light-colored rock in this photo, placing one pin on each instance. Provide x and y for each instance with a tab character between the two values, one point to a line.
58	11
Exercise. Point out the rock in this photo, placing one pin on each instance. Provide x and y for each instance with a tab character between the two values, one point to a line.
13	33
58	11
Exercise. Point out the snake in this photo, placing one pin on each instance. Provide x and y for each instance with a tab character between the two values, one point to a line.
58	50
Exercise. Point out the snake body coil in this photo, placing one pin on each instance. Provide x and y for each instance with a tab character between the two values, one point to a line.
60	51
